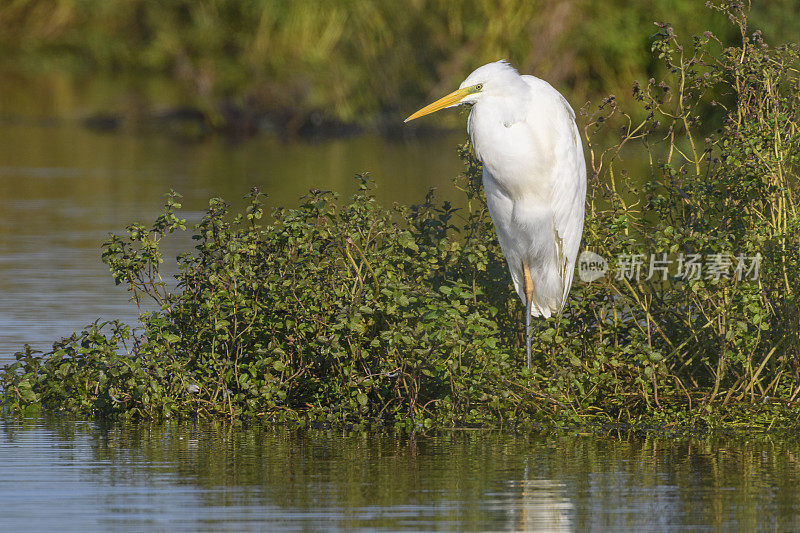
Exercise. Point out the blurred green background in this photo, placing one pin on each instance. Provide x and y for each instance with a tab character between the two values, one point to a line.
304	64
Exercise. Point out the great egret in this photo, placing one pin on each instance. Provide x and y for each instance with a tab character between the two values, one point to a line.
534	177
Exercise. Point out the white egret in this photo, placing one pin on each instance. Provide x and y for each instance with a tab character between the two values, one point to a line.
534	178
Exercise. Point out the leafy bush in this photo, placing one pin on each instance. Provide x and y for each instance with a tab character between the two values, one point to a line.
351	312
335	309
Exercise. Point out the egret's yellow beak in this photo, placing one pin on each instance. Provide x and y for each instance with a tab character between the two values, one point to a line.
451	99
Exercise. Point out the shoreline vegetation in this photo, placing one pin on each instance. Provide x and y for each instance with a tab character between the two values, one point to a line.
326	69
346	312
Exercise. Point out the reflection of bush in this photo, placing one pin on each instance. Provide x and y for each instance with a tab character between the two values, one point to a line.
346	311
479	481
354	60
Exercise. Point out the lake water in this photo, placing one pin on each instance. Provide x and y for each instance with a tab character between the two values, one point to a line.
64	188
60	475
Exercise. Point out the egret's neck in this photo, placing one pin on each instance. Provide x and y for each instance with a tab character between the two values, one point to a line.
493	115
510	137
507	106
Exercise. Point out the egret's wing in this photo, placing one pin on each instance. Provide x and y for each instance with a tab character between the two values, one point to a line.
568	194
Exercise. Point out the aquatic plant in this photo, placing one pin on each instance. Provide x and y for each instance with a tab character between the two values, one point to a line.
346	311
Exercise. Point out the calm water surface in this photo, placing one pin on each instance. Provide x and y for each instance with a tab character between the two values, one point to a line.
63	188
61	473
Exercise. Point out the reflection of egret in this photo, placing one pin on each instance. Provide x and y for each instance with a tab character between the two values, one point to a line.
538	505
534	177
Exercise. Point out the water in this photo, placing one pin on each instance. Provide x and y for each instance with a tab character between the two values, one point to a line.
64	188
62	474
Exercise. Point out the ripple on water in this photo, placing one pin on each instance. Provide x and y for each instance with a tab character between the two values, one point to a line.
66	473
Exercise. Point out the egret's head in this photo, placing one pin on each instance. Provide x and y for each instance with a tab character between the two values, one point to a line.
492	78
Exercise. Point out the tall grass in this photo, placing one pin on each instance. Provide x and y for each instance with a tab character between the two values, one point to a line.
353	61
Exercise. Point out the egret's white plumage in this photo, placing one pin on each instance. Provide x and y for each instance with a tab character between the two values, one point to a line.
534	177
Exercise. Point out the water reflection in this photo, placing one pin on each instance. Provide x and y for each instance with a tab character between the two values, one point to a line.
194	476
534	505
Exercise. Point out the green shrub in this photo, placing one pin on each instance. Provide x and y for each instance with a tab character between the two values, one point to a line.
349	312
336	310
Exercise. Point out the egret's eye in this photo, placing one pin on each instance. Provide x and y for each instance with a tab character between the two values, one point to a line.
479	87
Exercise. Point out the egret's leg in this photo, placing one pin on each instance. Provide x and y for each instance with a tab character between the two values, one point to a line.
528	303
528	332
